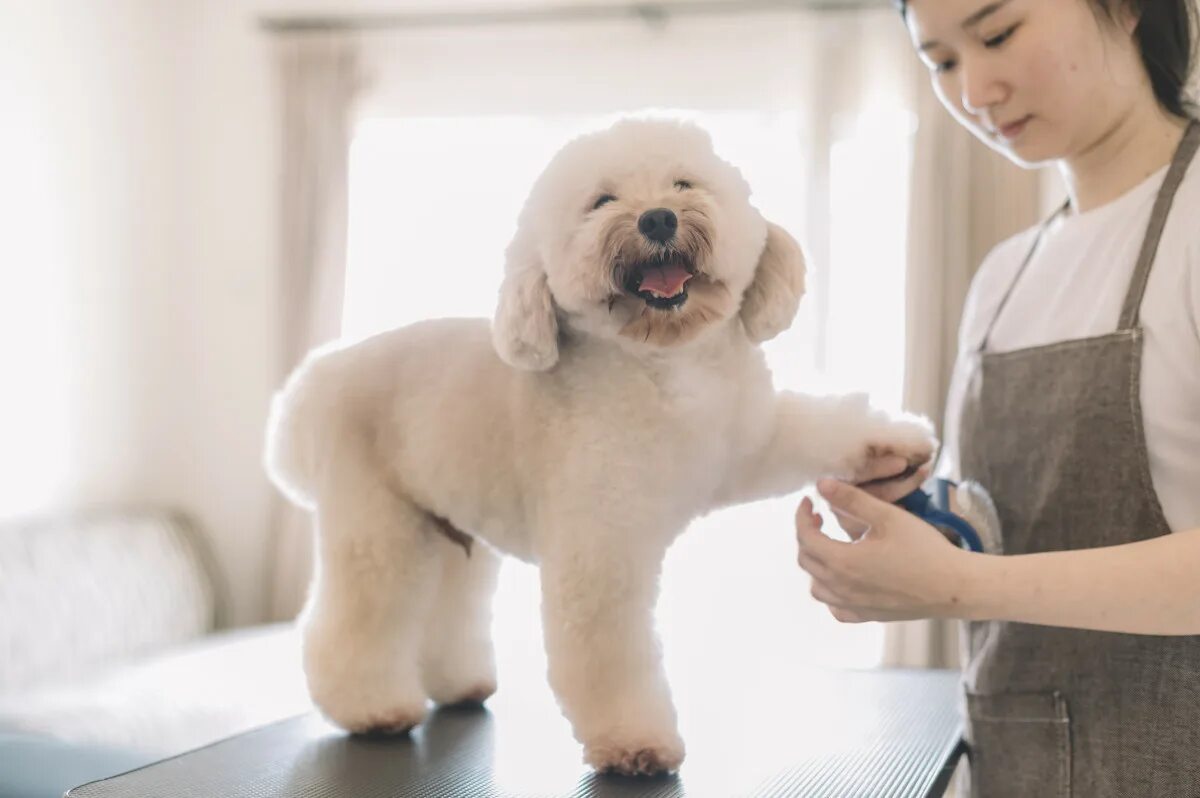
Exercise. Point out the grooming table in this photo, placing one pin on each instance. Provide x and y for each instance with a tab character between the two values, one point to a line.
876	733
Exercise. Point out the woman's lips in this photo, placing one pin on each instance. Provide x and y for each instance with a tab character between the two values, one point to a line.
1013	129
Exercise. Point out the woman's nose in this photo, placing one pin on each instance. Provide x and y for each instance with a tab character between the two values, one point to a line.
981	86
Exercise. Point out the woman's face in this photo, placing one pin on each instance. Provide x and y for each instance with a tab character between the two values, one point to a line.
1037	80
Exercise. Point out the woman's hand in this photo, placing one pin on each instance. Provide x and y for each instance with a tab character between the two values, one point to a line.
897	568
885	479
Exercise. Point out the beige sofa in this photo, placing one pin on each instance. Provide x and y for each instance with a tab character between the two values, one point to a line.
107	637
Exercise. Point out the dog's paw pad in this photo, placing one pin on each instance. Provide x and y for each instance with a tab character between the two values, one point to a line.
912	441
635	761
915	454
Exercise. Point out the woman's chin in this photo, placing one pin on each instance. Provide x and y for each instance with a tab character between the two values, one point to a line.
1027	153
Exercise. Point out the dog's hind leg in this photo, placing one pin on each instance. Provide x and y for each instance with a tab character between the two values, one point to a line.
458	662
377	571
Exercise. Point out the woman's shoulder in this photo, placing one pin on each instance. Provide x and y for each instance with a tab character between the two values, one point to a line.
999	267
1178	260
997	270
1186	207
1007	256
1184	218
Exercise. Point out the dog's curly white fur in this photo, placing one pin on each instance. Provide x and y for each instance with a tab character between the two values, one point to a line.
582	431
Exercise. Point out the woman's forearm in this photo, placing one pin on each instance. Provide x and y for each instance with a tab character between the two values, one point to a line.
1148	587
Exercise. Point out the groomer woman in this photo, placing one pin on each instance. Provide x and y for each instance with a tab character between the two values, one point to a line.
1075	403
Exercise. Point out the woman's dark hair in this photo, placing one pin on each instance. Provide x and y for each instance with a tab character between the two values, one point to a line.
1165	36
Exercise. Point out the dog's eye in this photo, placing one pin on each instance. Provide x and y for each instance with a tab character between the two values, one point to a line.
603	200
682	185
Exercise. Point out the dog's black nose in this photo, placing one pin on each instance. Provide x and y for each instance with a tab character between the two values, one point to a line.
658	224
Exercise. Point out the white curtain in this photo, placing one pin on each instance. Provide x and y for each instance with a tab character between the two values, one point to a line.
319	78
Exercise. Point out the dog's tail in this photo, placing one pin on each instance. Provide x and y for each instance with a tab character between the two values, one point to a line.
304	413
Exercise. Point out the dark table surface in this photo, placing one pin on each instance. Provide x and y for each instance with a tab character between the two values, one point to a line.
876	733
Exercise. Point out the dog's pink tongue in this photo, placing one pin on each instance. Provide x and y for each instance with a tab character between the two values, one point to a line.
664	281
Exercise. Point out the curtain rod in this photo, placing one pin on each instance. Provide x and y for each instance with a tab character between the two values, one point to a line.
650	12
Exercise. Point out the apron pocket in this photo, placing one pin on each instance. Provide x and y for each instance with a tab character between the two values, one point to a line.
1020	744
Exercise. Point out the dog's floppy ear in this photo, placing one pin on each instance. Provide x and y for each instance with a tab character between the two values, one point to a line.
525	329
771	301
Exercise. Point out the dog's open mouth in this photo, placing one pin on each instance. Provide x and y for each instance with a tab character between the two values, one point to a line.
662	282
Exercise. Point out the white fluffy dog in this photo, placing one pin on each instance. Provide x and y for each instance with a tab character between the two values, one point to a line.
619	393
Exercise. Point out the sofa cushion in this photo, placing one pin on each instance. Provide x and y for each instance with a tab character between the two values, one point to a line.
81	592
189	696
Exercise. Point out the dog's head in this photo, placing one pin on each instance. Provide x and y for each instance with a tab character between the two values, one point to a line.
641	233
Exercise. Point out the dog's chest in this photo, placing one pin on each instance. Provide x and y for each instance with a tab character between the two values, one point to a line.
699	412
688	392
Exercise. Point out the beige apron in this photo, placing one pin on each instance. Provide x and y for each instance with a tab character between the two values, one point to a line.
1054	433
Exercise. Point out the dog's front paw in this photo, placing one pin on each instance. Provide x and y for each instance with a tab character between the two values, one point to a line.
908	438
635	757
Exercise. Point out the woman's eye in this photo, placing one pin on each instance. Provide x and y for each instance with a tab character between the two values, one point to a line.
944	66
603	200
996	41
682	185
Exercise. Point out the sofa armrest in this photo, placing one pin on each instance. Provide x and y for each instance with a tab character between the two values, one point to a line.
81	592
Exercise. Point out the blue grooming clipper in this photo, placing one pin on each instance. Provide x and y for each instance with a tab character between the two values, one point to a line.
934	509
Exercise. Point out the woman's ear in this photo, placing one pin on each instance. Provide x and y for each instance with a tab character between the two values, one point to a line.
525	328
770	303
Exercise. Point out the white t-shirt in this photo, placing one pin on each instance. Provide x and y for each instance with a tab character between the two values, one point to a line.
1074	287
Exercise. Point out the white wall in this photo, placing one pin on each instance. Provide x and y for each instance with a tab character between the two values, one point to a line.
137	353
229	247
87	206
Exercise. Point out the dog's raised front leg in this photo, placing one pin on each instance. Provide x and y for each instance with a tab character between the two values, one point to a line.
814	436
362	626
599	589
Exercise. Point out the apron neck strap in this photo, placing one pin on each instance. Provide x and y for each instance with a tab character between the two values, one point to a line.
1042	228
1158	220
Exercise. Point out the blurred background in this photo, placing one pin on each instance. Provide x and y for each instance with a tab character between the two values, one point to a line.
193	193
